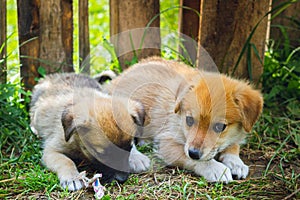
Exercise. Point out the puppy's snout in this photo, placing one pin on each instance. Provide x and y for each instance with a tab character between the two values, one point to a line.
195	154
121	177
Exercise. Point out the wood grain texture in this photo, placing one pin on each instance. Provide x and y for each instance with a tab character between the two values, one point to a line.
29	29
55	36
224	29
189	26
127	16
289	19
84	39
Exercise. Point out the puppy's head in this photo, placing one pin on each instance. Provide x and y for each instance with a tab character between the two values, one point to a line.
104	133
217	112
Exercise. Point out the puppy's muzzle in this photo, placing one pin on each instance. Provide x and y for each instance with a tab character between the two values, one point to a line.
195	154
121	177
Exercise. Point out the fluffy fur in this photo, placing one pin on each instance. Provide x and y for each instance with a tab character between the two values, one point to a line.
197	118
78	122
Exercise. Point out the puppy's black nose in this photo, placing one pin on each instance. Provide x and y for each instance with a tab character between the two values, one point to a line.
195	154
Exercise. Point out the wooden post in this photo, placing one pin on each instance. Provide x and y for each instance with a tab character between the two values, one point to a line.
126	17
84	41
289	19
189	26
45	37
56	35
224	29
3	38
67	33
29	27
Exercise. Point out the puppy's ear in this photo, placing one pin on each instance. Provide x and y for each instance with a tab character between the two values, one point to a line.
250	102
71	125
67	120
137	112
104	76
177	107
183	89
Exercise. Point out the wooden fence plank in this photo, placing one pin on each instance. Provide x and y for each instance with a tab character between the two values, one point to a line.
67	33
224	29
29	27
127	16
3	30
56	38
189	26
288	19
84	39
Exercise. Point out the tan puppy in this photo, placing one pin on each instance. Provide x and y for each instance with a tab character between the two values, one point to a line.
77	122
195	117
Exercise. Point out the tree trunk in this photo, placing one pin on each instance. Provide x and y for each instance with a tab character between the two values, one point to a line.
29	27
289	20
84	42
3	43
189	26
128	19
56	35
224	29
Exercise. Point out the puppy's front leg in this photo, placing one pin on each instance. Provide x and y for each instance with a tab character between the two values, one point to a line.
138	162
230	158
64	167
212	170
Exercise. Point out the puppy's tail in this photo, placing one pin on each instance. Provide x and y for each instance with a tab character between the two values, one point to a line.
105	76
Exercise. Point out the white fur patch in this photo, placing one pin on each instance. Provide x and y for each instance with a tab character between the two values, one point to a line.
138	162
34	130
213	171
235	164
72	184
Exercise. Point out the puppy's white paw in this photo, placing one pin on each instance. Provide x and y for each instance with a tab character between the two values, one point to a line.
235	164
34	130
213	171
138	162
73	181
72	184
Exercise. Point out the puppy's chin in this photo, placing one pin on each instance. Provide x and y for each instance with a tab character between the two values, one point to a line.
211	155
109	174
111	161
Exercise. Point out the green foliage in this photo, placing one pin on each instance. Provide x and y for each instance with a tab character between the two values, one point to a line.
279	125
13	65
281	77
19	148
16	137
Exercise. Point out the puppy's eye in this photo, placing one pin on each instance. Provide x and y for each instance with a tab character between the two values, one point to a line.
219	127
190	121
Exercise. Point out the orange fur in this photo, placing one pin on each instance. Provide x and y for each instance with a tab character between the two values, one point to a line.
233	149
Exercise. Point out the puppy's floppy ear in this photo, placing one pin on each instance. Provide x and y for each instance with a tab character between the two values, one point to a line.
183	89
70	125
137	112
250	102
67	119
104	76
